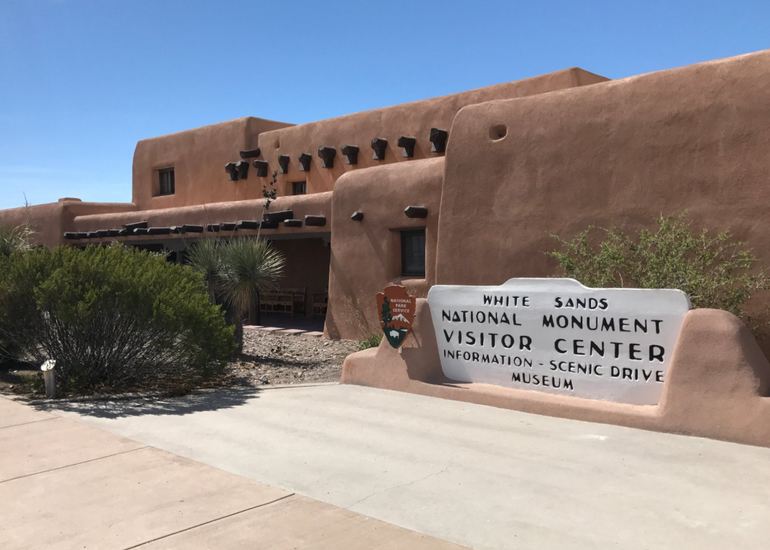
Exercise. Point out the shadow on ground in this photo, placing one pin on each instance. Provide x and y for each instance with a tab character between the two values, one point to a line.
116	407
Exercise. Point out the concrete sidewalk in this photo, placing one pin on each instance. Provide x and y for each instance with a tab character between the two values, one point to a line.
475	475
64	484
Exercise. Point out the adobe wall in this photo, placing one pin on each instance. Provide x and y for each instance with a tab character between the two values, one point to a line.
45	220
366	254
409	119
198	157
50	221
617	153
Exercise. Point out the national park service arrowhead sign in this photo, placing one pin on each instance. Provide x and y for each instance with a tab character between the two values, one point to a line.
396	312
558	336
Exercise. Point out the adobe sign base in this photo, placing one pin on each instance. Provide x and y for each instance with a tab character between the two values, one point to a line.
716	386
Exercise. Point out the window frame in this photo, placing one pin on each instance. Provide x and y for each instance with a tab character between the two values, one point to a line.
405	235
294	185
160	173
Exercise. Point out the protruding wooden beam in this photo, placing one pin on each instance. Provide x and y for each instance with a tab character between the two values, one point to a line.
416	212
357	216
379	146
283	162
278	215
438	140
190	228
228	226
304	162
158	230
292	223
248	224
261	167
232	170
315	221
243	169
250	153
327	155
136	225
407	143
350	152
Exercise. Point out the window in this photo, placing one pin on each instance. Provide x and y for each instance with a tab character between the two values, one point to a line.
413	252
299	188
166	181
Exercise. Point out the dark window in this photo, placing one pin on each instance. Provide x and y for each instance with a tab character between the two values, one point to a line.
299	188
413	252
166	181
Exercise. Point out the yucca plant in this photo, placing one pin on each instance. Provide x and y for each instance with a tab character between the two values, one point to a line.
205	256
237	271
15	239
248	267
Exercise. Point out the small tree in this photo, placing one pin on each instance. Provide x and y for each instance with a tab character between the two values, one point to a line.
714	269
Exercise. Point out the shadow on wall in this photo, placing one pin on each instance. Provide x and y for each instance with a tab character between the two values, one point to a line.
117	407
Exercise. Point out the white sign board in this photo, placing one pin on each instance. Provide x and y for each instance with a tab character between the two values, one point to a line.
558	336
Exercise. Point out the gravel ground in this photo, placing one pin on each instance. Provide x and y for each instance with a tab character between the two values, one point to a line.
267	358
270	358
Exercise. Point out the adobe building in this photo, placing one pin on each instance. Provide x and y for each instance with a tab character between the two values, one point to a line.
462	189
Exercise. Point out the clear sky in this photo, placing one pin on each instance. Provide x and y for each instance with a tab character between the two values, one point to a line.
81	81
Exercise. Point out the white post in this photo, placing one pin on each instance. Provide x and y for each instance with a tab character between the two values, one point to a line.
49	378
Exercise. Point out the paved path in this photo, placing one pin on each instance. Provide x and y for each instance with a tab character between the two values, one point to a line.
475	475
64	484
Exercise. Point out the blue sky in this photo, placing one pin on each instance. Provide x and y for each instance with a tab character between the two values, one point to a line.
81	81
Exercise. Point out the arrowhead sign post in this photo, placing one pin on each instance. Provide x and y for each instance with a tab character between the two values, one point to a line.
396	312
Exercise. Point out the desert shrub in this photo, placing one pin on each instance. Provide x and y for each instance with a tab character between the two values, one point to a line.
112	317
713	268
12	239
371	341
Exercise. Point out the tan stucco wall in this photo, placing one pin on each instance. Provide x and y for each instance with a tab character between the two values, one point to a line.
619	152
366	255
50	221
198	157
409	119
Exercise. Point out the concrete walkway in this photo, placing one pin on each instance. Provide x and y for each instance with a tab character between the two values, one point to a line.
475	475
64	484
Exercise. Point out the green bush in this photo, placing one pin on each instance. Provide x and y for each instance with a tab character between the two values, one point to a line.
372	341
12	239
113	318
714	269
